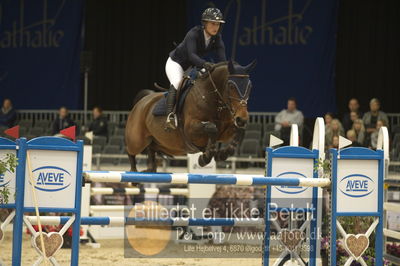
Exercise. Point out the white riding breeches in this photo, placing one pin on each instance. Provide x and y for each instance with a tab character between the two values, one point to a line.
174	72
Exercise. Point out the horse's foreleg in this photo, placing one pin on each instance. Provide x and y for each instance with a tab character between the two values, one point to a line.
211	149
223	154
132	160
151	160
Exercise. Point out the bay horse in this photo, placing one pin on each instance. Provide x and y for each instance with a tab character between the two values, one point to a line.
215	110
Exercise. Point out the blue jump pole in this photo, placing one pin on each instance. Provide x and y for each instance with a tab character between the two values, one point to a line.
121	221
249	180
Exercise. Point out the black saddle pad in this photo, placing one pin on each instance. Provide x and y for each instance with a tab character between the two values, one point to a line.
160	109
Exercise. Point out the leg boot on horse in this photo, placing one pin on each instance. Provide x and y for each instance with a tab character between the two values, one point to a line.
211	149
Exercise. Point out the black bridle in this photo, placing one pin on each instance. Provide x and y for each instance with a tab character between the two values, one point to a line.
233	81
245	82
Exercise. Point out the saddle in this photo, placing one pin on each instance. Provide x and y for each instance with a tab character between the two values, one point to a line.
160	108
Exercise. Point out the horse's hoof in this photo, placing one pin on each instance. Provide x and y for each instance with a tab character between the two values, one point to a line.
203	161
149	171
221	156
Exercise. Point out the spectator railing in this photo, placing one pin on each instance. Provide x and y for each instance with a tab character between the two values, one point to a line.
394	119
120	116
76	115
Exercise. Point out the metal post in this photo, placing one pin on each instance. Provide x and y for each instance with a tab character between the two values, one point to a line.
85	104
98	155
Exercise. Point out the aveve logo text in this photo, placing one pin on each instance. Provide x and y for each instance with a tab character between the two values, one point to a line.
291	189
52	178
356	185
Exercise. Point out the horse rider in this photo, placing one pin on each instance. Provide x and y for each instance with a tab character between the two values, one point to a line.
199	41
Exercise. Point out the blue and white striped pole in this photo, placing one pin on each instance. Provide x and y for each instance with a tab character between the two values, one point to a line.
122	221
137	191
183	178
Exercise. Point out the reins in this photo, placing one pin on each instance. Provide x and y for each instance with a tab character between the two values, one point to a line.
220	96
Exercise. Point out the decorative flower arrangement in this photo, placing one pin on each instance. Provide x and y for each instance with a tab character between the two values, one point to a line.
9	163
393	249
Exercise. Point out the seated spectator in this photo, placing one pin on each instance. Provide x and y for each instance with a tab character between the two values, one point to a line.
328	117
351	135
335	129
359	130
99	125
8	116
334	143
354	107
371	118
62	121
374	135
353	117
286	118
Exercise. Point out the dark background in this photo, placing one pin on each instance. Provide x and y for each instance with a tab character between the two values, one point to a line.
367	54
130	41
121	36
130	46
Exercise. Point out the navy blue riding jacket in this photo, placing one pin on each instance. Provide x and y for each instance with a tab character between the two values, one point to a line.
191	50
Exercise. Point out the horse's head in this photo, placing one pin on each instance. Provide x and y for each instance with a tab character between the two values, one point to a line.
238	91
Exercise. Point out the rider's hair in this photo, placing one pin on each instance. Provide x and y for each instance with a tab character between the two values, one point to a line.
98	109
293	100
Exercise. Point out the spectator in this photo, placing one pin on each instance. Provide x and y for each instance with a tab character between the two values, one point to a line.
99	125
371	118
62	121
7	114
334	142
328	117
359	130
335	129
351	135
374	135
353	117
286	118
353	106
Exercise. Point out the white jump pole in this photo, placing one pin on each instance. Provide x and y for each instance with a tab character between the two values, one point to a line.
319	144
383	144
294	135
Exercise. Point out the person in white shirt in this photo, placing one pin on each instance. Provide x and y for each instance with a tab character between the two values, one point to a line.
286	118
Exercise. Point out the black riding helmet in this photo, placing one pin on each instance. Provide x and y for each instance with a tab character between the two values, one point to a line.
212	14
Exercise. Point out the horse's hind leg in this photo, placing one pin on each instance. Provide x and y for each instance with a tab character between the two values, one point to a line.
132	160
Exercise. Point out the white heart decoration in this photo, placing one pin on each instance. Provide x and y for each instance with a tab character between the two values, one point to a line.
291	238
52	241
356	244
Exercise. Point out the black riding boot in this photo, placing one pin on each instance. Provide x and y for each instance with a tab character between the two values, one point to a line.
171	122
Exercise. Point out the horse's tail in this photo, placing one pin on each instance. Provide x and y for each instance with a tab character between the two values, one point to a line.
141	94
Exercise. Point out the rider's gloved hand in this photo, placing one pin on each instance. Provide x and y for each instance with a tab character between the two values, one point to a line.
208	66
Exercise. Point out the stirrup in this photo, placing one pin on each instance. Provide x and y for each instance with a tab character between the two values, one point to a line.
172	121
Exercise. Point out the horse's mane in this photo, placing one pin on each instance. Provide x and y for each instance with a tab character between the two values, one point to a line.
223	63
218	66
